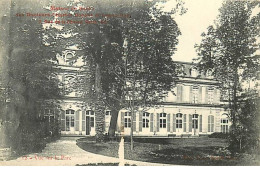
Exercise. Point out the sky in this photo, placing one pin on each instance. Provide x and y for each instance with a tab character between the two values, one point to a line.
200	14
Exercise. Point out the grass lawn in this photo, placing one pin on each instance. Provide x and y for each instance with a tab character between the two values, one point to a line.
181	151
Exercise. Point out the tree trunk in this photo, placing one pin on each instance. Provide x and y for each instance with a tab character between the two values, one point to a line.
99	107
113	122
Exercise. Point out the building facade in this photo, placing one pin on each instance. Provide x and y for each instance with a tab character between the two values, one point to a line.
74	115
193	108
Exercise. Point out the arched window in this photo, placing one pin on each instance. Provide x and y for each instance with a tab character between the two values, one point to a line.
162	120
146	120
91	115
209	74
224	123
193	72
210	123
127	119
70	119
179	121
69	58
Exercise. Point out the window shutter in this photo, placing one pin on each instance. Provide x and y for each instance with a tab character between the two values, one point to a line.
206	96
62	120
134	121
83	120
179	92
215	101
200	119
77	121
212	123
158	122
184	123
122	125
151	122
168	123
174	123
191	94
190	123
208	123
140	121
200	95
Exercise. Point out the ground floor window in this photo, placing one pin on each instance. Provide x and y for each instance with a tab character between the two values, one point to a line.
91	114
70	119
179	121
195	121
127	119
224	125
146	120
162	120
210	123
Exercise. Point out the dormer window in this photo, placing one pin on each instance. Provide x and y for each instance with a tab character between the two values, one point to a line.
193	72
209	74
69	58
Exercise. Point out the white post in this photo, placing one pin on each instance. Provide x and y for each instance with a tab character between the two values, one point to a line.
121	153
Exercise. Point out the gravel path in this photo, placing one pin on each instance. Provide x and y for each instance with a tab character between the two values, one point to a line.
65	152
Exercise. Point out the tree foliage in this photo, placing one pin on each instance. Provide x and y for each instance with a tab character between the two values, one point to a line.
229	48
133	54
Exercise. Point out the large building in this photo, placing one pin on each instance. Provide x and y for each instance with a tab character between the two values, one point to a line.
192	108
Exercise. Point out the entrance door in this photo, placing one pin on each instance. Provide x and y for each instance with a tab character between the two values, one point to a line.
88	128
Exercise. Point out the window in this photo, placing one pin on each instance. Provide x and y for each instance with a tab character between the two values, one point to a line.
69	58
193	72
179	121
162	120
127	119
70	119
224	124
108	113
195	121
210	123
209	74
195	94
210	95
146	120
49	115
91	114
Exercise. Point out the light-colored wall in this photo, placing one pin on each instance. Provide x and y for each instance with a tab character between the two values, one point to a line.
204	111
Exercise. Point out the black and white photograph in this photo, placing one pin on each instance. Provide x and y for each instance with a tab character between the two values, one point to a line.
129	83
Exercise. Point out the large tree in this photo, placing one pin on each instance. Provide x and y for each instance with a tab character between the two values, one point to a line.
30	80
128	58
229	49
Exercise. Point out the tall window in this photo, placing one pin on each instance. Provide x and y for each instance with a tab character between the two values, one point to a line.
49	115
127	119
210	95
224	125
107	118
195	121
162	120
179	121
91	114
195	94
210	123
146	120
70	119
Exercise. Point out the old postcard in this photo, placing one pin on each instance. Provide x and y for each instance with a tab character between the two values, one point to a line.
129	83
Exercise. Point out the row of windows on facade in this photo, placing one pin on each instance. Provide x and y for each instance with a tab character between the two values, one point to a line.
179	121
70	117
193	94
